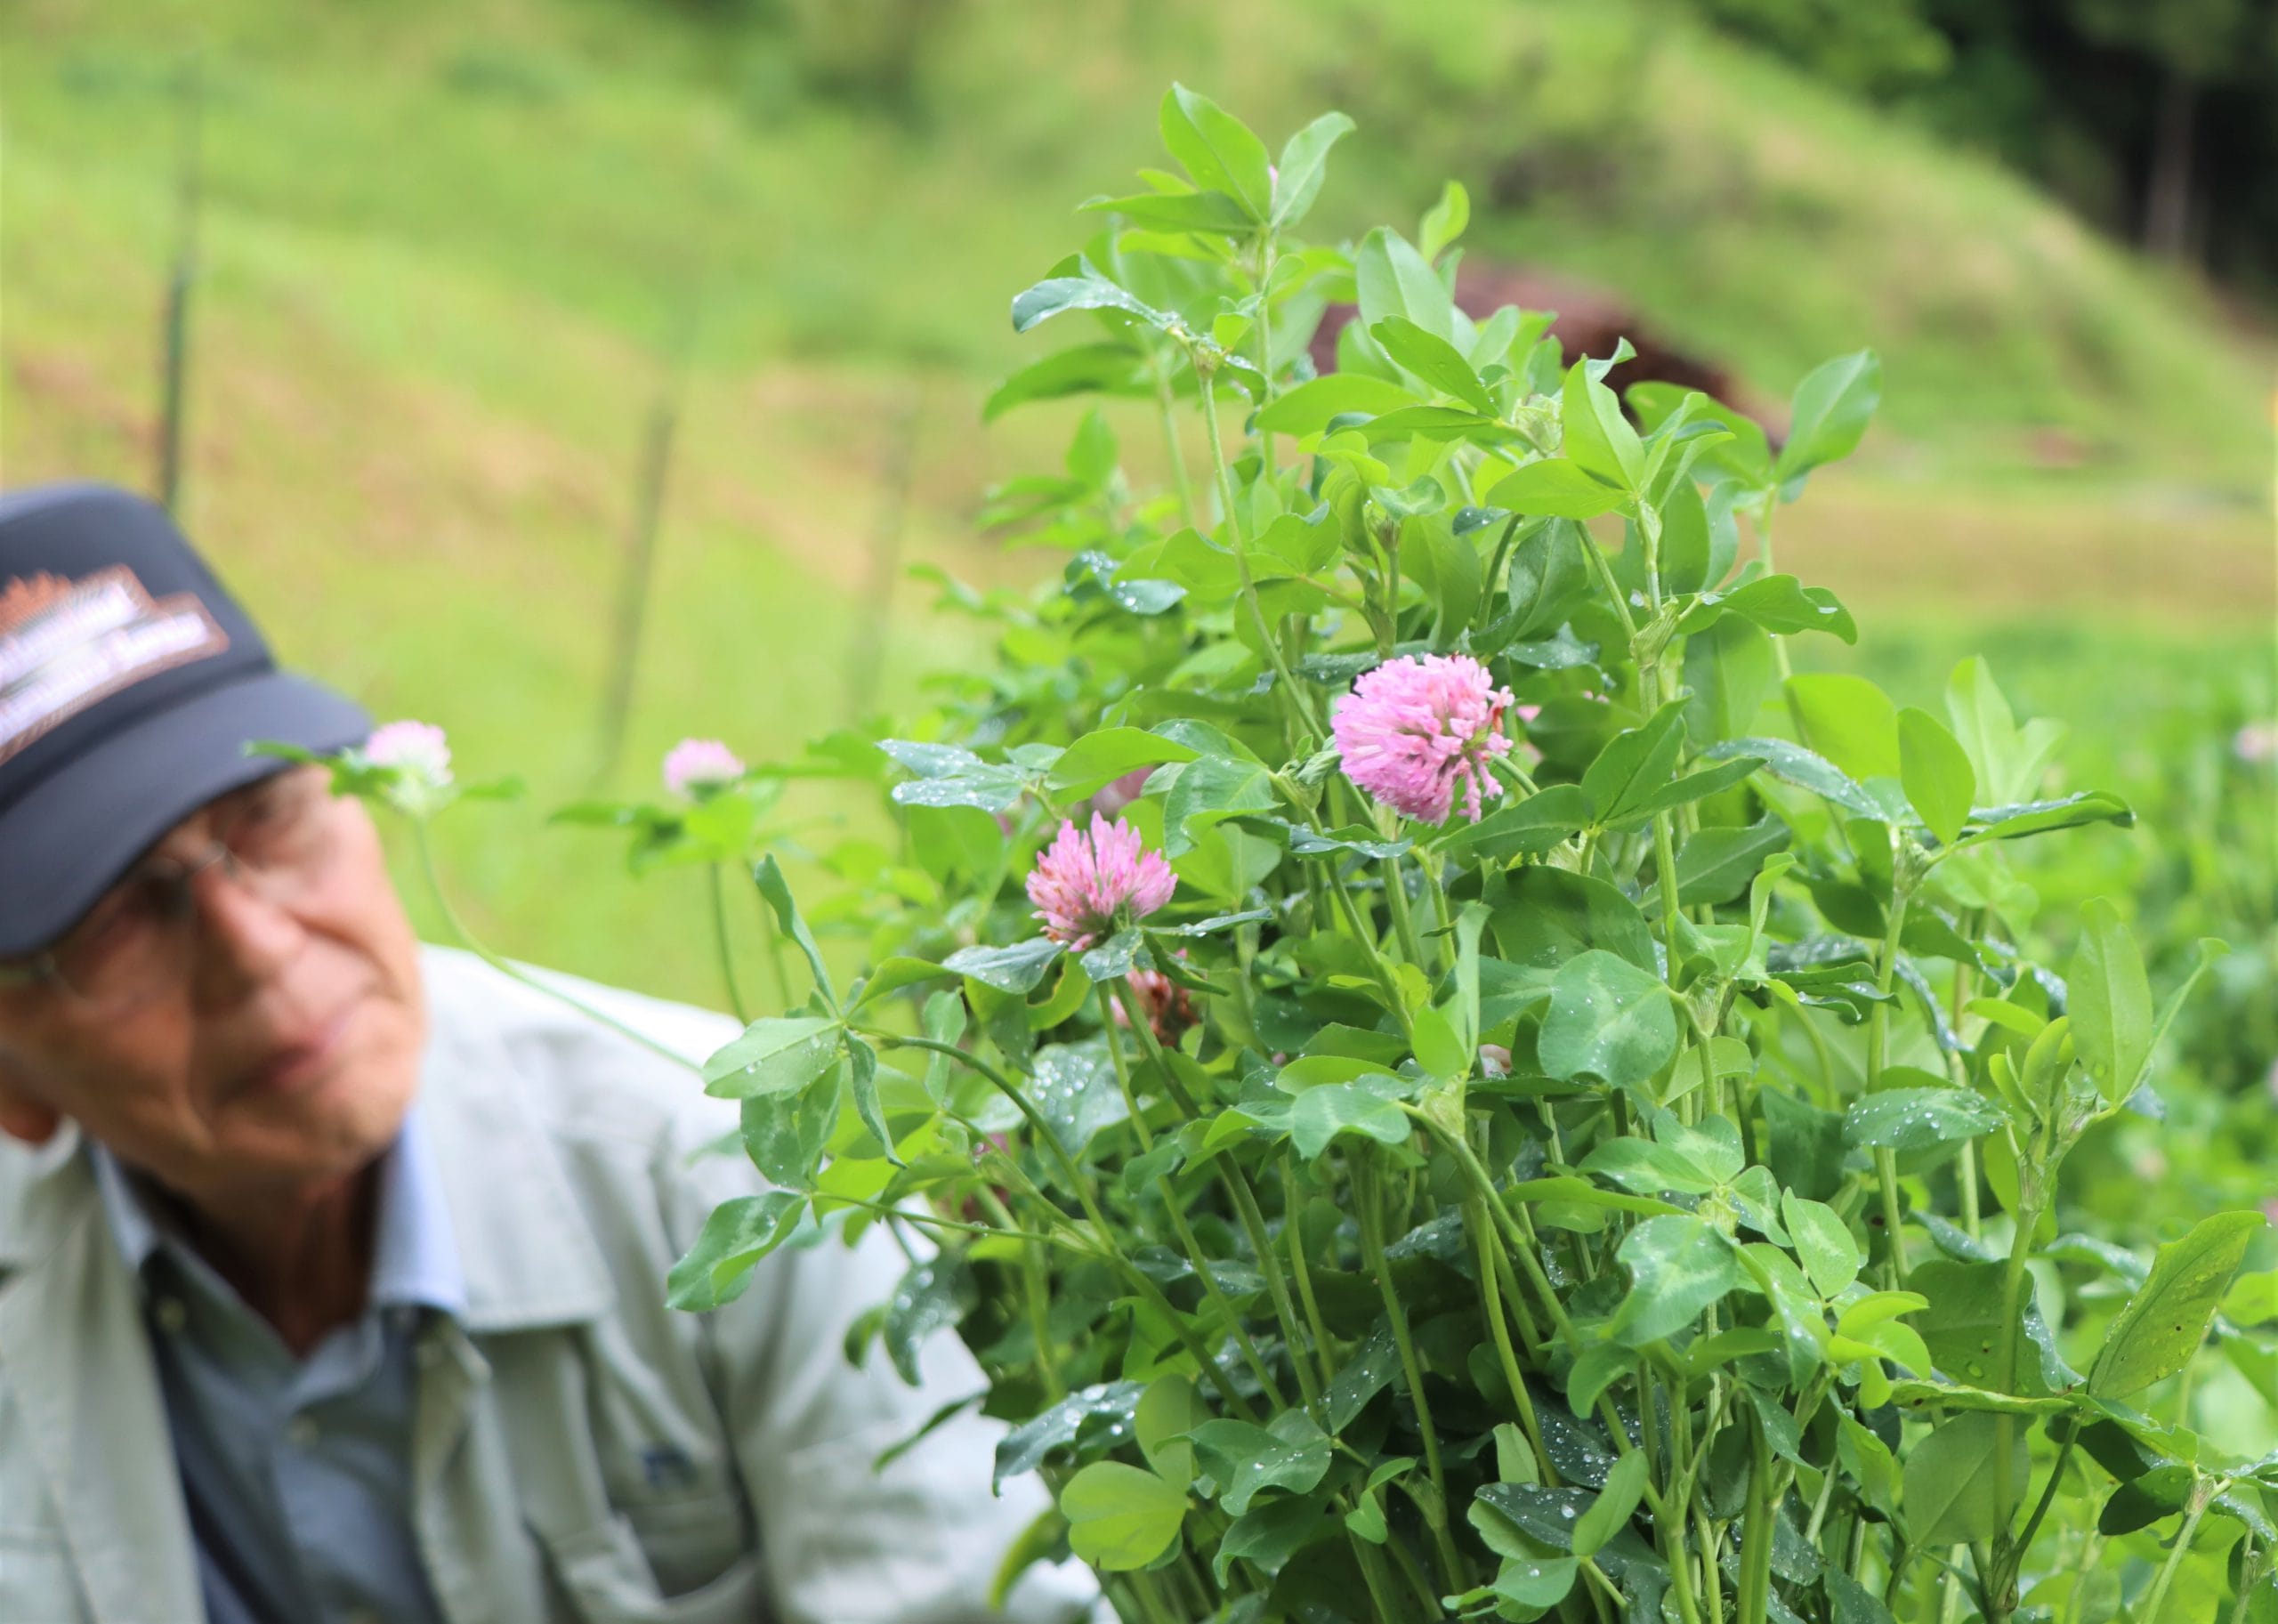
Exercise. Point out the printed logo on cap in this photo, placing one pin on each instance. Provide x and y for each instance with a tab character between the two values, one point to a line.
67	645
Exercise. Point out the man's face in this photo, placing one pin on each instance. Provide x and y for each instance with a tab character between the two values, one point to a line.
264	1029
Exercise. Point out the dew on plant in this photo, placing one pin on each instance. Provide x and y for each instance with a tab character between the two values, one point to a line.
1726	926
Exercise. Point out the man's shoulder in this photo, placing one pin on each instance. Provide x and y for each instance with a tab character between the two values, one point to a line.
580	1077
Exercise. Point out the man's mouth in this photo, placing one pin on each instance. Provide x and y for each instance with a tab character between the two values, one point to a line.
307	1056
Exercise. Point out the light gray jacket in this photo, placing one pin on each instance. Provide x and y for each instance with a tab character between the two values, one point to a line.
565	1153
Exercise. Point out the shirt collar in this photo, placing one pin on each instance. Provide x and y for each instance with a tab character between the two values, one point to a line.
415	1254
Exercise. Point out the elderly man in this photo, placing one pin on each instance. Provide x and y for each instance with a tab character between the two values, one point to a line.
331	1267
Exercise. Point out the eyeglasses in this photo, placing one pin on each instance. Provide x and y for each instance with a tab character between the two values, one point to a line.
275	839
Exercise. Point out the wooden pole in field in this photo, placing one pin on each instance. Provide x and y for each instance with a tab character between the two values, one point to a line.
638	579
174	365
866	643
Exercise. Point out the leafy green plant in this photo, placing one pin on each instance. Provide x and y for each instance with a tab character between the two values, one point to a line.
1499	1097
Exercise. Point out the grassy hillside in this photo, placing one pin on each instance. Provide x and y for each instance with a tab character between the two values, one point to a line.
447	247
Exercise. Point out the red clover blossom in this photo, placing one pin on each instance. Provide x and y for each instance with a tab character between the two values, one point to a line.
1085	879
417	749
695	765
1412	729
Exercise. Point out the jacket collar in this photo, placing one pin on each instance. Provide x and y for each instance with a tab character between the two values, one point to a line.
528	1255
73	1350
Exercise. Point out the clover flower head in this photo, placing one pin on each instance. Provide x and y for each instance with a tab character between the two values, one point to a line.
1413	730
696	764
418	750
1088	879
2257	742
1169	1008
1113	797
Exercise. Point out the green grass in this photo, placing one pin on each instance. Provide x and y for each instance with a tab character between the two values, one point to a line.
446	248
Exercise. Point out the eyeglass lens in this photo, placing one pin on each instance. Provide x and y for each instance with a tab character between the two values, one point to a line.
269	836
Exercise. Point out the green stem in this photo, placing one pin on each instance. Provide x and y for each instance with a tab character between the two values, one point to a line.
1036	1272
2250	1562
1150	1048
1518	1232
2013	1278
1878	1043
1484	614
1005	1085
1755	1544
1039	1304
1712	1577
1649	536
1299	704
1386	981
1179	481
1150	1600
1207	1361
719	890
2047	1496
1508	1280
1483	1241
1372	1252
1277	1287
1965	1177
1008	1229
1371	1562
1665	880
1200	1261
1388	611
1403	923
1414	1575
1264	345
1595	555
2183	1388
2158	1596
1123	1075
1292	1232
1139	1282
506	967
1103	1232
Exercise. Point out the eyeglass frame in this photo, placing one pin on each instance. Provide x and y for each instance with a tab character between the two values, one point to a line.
45	966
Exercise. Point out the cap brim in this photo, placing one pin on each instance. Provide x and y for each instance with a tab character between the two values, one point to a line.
70	837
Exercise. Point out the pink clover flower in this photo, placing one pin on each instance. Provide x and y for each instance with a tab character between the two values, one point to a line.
418	750
1413	730
699	763
1087	882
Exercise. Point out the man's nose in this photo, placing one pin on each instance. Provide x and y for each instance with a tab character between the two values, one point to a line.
239	937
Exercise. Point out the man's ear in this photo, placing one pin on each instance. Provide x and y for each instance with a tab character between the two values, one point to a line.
23	1117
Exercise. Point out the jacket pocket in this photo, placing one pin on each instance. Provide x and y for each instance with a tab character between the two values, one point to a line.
38	1584
607	1575
689	1540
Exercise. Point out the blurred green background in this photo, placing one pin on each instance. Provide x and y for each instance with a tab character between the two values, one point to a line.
450	258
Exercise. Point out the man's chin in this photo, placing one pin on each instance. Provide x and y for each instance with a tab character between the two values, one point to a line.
328	1125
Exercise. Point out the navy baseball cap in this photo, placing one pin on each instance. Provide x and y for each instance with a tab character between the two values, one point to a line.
130	685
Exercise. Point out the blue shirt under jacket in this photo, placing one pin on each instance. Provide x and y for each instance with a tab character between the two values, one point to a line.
296	1471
